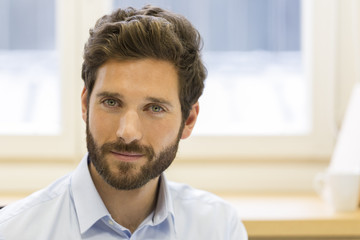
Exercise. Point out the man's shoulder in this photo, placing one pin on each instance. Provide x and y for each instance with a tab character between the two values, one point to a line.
34	204
199	211
188	193
189	197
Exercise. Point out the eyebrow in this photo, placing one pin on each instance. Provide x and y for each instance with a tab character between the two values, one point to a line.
159	100
119	96
108	94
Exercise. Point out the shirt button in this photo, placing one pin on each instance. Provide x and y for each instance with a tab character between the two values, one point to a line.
111	222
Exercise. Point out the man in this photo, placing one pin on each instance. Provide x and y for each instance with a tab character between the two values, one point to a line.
143	76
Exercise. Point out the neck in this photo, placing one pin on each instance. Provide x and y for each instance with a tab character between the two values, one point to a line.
127	207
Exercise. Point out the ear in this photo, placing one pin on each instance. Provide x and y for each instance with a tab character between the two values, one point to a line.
190	121
84	103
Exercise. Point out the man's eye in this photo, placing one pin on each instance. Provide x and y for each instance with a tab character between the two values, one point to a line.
110	102
156	108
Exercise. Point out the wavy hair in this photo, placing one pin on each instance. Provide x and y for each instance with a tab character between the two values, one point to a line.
150	32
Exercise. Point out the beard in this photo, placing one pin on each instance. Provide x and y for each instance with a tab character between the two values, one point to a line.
129	176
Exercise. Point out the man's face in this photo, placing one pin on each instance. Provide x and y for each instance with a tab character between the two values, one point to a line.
134	121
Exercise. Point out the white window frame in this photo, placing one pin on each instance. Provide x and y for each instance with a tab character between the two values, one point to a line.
76	17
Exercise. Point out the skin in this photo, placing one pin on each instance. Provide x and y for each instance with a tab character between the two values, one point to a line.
135	101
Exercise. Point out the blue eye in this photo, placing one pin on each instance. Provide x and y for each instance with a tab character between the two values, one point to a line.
111	102
156	108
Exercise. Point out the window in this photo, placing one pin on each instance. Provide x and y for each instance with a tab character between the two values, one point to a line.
37	117
29	69
265	87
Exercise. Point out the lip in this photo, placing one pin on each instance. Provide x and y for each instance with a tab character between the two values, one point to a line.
127	156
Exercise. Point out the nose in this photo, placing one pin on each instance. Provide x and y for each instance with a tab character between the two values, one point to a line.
129	127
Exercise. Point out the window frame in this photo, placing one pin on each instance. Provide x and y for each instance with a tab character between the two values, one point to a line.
74	20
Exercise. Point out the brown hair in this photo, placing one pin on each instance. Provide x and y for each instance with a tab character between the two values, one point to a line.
150	32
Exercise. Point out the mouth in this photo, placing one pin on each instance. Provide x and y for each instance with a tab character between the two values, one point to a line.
127	156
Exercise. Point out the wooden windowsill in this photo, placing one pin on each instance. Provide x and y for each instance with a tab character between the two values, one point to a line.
284	216
287	216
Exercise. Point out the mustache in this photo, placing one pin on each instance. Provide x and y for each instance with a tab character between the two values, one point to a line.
132	147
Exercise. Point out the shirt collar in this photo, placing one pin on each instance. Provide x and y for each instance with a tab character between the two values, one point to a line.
164	207
90	207
88	203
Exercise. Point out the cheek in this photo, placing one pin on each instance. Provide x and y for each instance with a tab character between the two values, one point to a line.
163	134
101	127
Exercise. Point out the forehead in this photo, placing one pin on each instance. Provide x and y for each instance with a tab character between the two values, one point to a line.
150	77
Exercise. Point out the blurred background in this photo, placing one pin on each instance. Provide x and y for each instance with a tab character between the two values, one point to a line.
280	77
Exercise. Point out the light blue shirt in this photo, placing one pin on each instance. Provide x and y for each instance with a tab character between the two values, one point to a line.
71	208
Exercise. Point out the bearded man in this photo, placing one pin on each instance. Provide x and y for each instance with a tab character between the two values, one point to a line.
143	76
